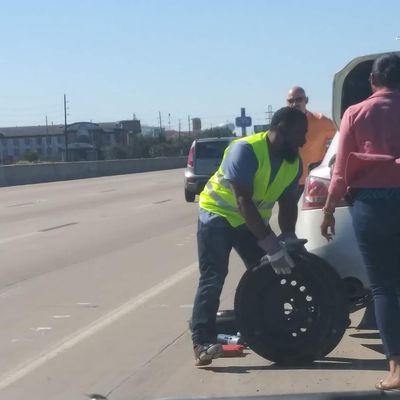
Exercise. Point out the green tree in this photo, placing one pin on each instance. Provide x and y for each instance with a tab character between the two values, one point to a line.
31	156
116	152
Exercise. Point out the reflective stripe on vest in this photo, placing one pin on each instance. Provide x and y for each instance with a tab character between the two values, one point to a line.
218	197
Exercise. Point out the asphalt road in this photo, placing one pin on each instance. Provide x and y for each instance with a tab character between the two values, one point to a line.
97	285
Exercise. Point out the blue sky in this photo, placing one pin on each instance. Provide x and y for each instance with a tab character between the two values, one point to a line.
181	57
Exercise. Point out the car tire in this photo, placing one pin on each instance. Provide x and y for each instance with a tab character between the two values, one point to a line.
226	322
189	196
292	319
340	314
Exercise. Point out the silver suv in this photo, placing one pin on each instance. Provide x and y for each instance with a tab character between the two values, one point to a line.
204	158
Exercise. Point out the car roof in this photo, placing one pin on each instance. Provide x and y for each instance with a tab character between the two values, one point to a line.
219	139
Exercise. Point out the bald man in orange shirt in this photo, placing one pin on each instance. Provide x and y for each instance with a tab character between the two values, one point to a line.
320	130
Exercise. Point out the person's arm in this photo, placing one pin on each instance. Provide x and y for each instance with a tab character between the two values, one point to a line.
239	168
249	211
287	216
337	187
276	255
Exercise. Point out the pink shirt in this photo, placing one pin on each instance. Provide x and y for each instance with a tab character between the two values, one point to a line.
372	127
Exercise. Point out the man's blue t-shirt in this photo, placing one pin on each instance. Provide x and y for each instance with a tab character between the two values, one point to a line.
240	165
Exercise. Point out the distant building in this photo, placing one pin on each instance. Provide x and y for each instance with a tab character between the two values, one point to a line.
196	125
47	142
153	131
86	140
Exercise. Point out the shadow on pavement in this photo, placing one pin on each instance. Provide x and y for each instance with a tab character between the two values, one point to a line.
370	335
375	347
328	363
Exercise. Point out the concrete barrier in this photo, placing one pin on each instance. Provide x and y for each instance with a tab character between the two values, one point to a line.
23	174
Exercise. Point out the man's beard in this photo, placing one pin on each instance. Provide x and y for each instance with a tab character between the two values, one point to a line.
289	154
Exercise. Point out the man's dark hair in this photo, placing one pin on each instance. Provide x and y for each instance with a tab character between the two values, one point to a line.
386	70
286	117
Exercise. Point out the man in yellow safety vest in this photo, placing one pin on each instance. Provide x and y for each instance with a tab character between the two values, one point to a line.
235	207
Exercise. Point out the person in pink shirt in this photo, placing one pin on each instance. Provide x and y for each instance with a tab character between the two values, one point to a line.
368	167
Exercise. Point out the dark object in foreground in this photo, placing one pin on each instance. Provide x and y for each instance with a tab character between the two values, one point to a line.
296	318
310	396
226	322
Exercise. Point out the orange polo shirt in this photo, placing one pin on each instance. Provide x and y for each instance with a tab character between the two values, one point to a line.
320	130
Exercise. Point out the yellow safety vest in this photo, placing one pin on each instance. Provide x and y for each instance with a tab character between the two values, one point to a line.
218	197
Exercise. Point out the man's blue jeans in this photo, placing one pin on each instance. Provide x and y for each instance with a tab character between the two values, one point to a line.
377	227
215	243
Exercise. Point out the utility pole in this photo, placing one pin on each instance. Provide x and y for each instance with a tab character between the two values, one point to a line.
131	139
269	113
179	130
65	128
159	119
169	121
189	124
47	127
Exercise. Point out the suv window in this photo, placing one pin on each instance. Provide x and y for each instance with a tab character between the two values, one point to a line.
214	150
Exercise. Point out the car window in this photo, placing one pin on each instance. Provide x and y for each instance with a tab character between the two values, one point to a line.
210	150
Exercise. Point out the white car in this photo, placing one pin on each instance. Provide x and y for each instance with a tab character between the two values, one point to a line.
350	86
342	252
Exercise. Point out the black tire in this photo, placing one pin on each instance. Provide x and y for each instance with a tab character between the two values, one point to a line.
293	319
226	322
340	314
189	196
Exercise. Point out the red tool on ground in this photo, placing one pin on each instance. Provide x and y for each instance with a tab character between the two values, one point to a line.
233	350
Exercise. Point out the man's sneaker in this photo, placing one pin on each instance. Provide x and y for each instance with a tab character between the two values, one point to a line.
205	353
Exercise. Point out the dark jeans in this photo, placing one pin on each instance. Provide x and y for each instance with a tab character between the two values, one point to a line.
214	246
377	228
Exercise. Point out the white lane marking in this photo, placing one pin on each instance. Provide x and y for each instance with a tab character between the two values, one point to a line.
42	328
186	306
61	316
12	238
10	292
70	341
25	235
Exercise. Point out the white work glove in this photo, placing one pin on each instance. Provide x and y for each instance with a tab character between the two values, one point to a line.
277	256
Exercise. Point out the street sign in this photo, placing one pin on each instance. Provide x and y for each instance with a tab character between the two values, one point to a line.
244	121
